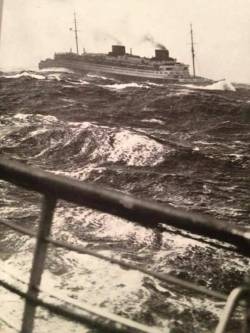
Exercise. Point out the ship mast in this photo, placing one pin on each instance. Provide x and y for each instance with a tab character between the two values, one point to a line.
76	35
192	49
1	12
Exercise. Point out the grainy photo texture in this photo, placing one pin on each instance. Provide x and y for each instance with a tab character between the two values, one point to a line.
124	166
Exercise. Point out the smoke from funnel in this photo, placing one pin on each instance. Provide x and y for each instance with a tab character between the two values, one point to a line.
150	39
101	35
116	40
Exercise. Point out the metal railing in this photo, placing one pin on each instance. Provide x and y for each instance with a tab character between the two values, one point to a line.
144	213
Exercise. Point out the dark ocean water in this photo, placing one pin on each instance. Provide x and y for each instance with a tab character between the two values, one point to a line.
174	144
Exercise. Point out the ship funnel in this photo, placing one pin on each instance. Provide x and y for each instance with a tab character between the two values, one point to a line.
118	50
161	54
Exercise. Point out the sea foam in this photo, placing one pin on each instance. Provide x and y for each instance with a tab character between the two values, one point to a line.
221	85
25	74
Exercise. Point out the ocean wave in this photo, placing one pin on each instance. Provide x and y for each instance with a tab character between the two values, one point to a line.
153	84
31	75
76	83
153	120
180	92
95	76
56	70
136	149
80	141
55	76
221	85
121	86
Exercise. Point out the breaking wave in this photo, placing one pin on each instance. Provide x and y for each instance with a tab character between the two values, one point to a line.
25	74
56	70
120	86
221	85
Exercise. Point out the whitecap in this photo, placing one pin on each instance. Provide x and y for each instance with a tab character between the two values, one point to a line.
153	120
181	92
56	77
47	119
25	74
77	83
120	86
21	116
100	77
220	85
135	149
154	84
56	70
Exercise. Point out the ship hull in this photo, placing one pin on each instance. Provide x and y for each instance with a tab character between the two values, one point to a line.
119	72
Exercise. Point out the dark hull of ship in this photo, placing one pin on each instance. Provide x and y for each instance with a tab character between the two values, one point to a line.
119	72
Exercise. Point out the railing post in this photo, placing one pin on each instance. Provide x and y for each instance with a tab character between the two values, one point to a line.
39	257
246	324
232	302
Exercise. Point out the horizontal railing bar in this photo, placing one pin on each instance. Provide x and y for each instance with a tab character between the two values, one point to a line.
210	242
160	276
109	325
146	213
19	229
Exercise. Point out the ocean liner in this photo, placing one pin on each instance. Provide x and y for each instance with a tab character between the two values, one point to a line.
118	62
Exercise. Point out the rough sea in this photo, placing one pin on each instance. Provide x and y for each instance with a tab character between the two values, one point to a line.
176	144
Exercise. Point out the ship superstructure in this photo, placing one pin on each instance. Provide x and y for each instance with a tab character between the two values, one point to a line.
118	62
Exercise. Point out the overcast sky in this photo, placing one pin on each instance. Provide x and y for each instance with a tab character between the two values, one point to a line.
34	29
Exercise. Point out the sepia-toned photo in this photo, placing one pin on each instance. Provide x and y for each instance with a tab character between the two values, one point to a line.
124	166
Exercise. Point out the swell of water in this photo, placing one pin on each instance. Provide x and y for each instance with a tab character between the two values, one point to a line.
170	143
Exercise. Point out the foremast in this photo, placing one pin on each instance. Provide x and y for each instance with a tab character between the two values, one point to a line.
192	49
1	14
75	30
